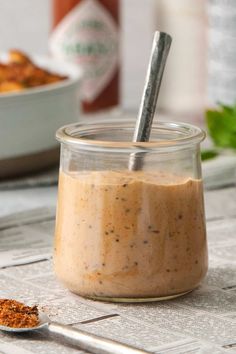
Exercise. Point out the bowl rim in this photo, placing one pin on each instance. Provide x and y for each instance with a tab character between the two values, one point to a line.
73	79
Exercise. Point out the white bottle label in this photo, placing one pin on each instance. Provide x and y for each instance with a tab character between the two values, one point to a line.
88	35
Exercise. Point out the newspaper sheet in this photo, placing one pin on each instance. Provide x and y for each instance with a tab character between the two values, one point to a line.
203	322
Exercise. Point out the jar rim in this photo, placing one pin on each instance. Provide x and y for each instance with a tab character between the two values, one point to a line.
75	134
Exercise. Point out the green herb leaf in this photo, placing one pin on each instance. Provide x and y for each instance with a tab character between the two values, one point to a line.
222	126
208	154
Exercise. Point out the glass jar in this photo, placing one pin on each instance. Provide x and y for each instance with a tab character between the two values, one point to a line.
130	231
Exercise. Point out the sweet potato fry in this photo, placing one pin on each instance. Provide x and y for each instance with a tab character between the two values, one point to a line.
10	86
16	56
3	72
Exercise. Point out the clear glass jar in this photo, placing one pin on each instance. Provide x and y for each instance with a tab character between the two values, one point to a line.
125	234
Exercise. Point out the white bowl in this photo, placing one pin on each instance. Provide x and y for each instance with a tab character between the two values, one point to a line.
29	119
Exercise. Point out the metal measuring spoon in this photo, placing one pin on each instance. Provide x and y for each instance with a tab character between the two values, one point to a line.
76	337
159	53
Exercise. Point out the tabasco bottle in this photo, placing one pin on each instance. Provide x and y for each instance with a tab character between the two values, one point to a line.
87	32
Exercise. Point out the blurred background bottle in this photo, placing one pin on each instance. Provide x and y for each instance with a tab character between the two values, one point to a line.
87	32
183	90
222	51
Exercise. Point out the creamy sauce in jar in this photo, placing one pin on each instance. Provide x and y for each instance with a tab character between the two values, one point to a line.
130	234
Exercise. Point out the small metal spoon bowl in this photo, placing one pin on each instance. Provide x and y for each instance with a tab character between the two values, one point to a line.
76	337
43	322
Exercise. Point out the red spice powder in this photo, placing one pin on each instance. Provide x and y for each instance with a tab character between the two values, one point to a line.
17	315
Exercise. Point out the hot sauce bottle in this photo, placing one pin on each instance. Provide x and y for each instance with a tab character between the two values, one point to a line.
86	32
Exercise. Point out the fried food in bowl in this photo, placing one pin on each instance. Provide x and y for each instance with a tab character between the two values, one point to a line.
20	73
37	96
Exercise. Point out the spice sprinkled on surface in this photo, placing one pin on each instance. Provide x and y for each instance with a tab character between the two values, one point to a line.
17	315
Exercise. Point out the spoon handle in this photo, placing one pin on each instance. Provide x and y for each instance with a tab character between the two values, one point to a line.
160	49
90	342
159	53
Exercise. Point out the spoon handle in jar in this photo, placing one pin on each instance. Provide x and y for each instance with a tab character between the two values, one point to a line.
90	342
159	53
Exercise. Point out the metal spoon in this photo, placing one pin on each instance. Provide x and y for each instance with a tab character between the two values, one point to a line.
76	337
159	53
